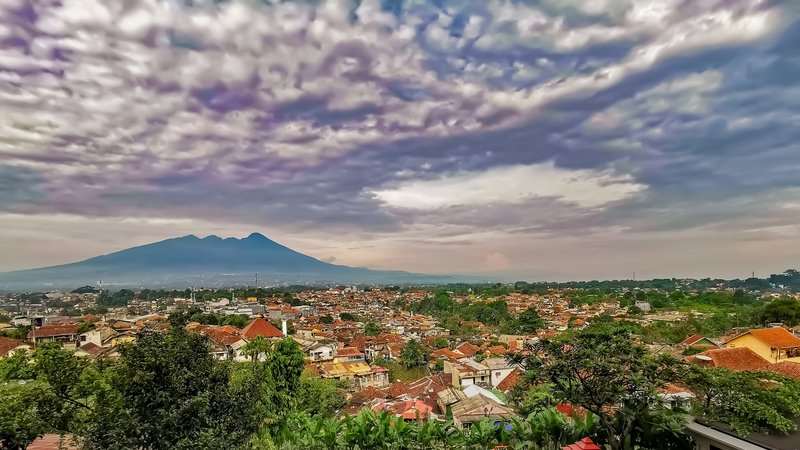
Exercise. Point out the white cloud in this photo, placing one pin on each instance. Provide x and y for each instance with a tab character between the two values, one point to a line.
513	184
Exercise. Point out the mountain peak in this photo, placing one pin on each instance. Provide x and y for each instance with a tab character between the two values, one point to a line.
256	237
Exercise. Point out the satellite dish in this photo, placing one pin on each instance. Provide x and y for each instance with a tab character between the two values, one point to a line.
703	357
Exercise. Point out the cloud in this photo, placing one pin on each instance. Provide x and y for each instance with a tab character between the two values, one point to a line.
513	184
362	121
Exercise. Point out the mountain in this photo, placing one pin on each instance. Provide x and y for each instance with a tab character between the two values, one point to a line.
210	261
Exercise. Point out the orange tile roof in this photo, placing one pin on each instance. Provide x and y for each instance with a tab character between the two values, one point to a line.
787	368
467	349
53	330
774	337
260	327
348	351
511	380
733	358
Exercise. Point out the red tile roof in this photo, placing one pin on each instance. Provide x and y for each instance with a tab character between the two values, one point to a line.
787	368
774	337
348	351
447	353
583	444
53	442
260	327
733	358
692	339
511	380
53	330
467	349
7	345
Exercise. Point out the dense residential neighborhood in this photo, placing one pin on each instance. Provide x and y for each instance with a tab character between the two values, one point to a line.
400	352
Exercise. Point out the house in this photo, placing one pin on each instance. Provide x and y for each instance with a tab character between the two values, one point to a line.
321	352
510	381
360	374
64	334
467	371
583	444
697	341
449	396
714	436
226	342
474	390
467	349
408	410
261	327
773	344
468	411
499	369
348	354
736	358
786	368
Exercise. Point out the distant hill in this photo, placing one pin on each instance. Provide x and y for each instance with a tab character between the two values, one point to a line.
210	261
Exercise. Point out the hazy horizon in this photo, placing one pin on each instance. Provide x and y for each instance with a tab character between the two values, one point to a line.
548	140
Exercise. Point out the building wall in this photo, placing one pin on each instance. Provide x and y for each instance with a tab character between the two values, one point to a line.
759	348
499	375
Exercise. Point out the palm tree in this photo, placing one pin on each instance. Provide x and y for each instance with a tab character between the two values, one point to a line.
257	347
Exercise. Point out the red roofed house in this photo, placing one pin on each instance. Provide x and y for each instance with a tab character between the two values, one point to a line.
698	341
348	354
730	358
583	444
786	368
511	380
65	334
261	327
773	344
467	349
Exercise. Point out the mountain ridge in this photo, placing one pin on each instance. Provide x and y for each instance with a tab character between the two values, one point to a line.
209	261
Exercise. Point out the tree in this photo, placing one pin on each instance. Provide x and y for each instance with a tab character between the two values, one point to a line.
21	419
529	321
786	310
326	319
257	348
441	342
167	391
350	317
747	401
413	354
600	369
372	329
319	397
17	366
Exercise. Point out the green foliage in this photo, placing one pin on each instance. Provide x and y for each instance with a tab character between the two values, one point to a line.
21	418
441	342
600	369
747	401
348	316
528	322
319	397
19	333
114	299
326	319
195	314
372	329
414	354
786	310
17	366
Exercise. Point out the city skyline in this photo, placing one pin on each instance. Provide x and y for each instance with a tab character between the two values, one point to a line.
544	140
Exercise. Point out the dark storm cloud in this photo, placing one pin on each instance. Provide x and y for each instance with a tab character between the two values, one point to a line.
310	116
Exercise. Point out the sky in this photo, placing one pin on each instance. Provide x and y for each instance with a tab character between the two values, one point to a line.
536	140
